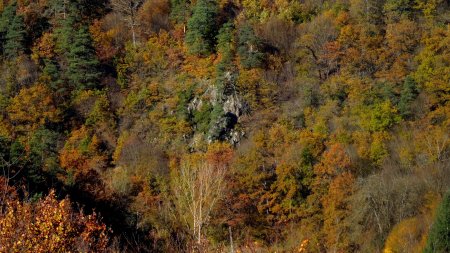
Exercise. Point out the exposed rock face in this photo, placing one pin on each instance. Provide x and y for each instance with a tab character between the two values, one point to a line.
233	107
195	104
227	108
234	104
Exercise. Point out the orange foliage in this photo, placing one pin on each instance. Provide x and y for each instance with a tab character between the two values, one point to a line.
81	154
45	47
103	41
336	209
219	154
50	225
334	161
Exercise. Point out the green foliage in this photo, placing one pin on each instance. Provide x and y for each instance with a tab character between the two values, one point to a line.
82	71
225	48
12	32
439	235
202	28
184	97
43	156
99	112
74	44
299	103
407	96
379	116
249	48
15	38
8	14
44	148
51	73
371	11
64	33
399	8
218	123
202	117
179	10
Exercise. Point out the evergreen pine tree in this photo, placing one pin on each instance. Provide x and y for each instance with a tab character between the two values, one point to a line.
64	32
82	69
15	38
179	10
439	236
249	46
12	32
202	28
408	94
52	76
225	48
7	15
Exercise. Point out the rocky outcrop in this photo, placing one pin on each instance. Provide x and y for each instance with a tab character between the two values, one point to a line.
223	107
233	107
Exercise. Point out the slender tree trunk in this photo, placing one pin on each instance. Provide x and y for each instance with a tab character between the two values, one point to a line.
133	32
231	240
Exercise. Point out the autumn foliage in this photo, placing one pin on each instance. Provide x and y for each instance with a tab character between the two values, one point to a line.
224	125
47	225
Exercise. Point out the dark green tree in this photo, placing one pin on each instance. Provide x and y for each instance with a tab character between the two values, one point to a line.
82	63
202	28
407	95
15	38
249	48
12	32
13	159
64	32
51	73
225	48
78	60
7	15
439	237
43	155
179	10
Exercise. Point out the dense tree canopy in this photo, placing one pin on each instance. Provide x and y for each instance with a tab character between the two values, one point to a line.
224	125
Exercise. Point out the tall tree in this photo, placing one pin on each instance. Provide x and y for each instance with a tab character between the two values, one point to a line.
82	69
408	94
439	237
202	28
12	32
249	48
128	9
15	38
179	10
197	187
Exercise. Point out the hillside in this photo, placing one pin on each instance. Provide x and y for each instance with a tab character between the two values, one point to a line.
224	125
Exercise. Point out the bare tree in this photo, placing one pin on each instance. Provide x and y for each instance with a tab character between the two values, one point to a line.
196	190
128	9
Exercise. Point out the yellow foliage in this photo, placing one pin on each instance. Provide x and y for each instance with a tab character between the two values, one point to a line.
32	107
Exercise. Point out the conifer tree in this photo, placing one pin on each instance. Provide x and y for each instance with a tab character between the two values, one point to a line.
179	10
79	62
249	48
82	69
15	38
52	75
408	94
225	47
202	28
439	237
12	32
6	17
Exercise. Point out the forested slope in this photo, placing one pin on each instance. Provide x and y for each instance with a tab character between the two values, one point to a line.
228	125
